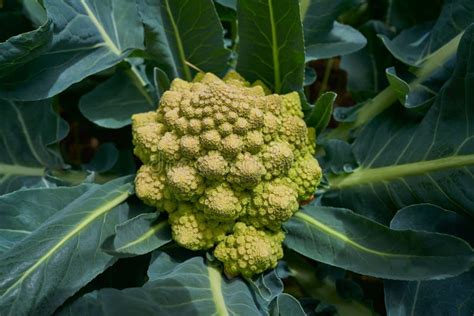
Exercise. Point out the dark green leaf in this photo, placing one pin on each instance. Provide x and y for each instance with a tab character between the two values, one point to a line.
105	31
19	215
26	131
400	86
414	94
432	218
345	239
310	76
286	305
319	283
161	81
105	158
34	11
182	35
338	158
403	14
65	249
112	103
271	43
138	236
453	296
188	288
266	287
228	3
404	162
321	112
326	38
22	48
366	67
413	45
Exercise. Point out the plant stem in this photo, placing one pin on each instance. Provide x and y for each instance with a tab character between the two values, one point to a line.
364	176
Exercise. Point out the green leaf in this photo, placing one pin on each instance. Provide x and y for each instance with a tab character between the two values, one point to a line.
323	36
105	158
319	283
138	236
65	249
112	103
191	287
345	239
182	35
20	216
403	14
232	4
418	94
22	48
400	86
271	43
405	162
105	31
161	81
453	296
286	305
338	158
414	45
266	287
26	131
321	112
34	11
366	67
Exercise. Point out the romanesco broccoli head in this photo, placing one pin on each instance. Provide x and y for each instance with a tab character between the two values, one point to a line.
229	162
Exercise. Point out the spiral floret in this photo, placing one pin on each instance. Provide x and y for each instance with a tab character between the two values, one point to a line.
223	156
192	230
272	203
249	251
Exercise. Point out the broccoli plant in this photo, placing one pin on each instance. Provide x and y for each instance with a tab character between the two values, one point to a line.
236	157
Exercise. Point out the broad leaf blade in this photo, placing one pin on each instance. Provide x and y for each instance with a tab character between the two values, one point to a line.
104	31
271	43
189	288
403	14
65	248
366	67
19	215
138	236
286	305
403	162
453	296
26	131
22	48
413	45
181	35
326	38
345	239
112	103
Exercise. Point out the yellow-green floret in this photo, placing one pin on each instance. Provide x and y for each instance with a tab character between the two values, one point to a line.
249	250
229	162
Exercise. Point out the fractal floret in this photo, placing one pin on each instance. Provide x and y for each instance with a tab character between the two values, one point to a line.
229	162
